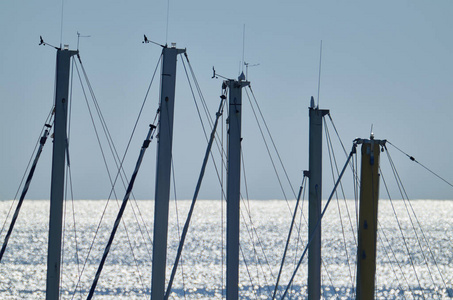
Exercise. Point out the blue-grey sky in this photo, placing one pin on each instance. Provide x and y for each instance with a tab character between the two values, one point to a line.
385	63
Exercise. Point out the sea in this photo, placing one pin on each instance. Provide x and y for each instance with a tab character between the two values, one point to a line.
414	250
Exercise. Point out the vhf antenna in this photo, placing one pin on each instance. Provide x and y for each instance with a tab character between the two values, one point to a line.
319	75
244	63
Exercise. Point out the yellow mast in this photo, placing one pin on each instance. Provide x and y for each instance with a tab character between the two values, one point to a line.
368	212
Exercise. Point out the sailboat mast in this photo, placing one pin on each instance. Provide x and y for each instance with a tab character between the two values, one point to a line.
314	201
368	213
60	143
163	170
233	185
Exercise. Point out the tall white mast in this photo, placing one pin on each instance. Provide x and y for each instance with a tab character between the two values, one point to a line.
233	184
60	144
163	170
314	200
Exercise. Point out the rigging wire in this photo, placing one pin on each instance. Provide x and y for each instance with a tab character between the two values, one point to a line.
268	149
260	243
299	239
205	109
405	242
119	162
24	175
145	145
406	202
219	147
426	168
381	232
194	199
177	220
354	172
69	174
269	153
253	234
289	236
111	145
222	208
403	237
353	151
208	118
332	164
203	104
248	271
254	228
404	197
25	189
68	184
272	140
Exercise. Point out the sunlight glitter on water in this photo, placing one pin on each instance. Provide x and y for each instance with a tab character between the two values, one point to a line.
127	273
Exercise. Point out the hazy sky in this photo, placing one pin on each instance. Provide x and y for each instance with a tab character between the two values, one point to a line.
385	63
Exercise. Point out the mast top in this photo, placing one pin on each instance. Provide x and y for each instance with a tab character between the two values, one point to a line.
316	109
371	140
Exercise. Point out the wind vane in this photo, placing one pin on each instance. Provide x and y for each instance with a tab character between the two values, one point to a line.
146	41
41	42
78	38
